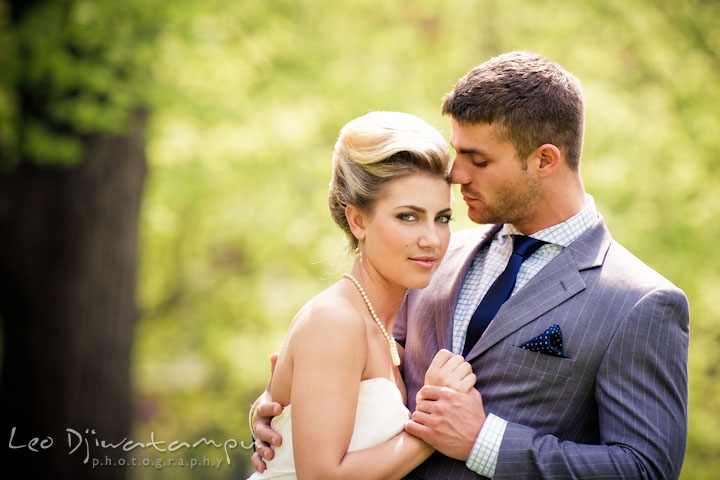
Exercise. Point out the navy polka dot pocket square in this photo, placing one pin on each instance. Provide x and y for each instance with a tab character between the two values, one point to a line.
550	342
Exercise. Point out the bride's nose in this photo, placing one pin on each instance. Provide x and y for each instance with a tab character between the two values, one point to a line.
430	237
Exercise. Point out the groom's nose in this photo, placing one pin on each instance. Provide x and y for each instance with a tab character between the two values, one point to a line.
458	172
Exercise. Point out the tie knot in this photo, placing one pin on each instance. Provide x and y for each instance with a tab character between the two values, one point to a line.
525	246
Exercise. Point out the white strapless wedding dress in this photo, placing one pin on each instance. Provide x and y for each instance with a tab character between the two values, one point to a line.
380	416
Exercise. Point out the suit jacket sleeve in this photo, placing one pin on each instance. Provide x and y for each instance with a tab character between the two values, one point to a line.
641	391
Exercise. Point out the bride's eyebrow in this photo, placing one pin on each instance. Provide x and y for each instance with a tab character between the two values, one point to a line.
410	207
421	210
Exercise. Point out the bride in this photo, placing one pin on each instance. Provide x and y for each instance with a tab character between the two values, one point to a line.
338	374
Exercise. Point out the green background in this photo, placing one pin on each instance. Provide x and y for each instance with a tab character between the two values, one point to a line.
246	100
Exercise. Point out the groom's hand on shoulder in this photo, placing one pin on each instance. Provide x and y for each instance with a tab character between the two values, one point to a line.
448	420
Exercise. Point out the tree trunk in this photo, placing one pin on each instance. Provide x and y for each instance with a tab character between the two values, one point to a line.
68	248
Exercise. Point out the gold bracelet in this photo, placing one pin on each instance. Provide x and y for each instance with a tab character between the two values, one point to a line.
253	416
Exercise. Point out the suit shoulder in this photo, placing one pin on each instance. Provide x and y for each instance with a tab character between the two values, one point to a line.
625	267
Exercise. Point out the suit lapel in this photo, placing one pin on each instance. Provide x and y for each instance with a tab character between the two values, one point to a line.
449	283
555	283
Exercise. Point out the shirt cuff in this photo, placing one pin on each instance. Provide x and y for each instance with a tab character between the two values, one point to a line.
484	454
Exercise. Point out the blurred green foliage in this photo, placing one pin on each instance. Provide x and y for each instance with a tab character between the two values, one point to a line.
72	67
247	100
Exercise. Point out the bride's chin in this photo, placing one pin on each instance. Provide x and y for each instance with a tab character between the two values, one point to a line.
417	284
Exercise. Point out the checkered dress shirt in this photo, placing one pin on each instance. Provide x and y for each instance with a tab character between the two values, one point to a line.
488	264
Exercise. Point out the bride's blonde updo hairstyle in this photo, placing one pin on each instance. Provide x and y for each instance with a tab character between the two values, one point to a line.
375	149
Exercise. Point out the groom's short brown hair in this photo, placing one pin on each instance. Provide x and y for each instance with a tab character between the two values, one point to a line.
532	99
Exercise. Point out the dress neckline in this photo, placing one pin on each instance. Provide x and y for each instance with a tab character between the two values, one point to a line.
286	408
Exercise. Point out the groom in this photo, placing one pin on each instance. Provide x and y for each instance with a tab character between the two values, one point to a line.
580	349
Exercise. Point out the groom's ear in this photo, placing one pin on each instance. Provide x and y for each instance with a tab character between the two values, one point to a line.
356	221
547	159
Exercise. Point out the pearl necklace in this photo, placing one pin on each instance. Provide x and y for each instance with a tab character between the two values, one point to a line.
391	340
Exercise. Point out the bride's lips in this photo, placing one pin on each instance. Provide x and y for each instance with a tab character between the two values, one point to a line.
424	262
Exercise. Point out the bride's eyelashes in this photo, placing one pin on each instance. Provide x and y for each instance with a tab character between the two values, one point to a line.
444	218
410	217
406	217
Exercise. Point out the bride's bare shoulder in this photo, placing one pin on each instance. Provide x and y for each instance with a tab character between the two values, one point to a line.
330	312
326	335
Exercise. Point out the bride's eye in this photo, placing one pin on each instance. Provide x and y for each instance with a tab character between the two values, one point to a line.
443	218
407	217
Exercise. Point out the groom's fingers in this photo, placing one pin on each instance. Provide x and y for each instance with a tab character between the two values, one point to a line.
263	450
257	462
268	410
266	435
273	361
263	431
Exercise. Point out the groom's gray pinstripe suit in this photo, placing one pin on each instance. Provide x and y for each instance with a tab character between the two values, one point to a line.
617	407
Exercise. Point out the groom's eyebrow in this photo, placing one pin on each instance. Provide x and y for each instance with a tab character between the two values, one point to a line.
470	151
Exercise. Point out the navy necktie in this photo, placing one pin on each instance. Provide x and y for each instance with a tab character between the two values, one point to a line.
500	290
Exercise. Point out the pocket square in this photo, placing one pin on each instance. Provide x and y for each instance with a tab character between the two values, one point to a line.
550	342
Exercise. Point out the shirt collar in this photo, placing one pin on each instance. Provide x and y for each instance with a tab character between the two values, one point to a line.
564	233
